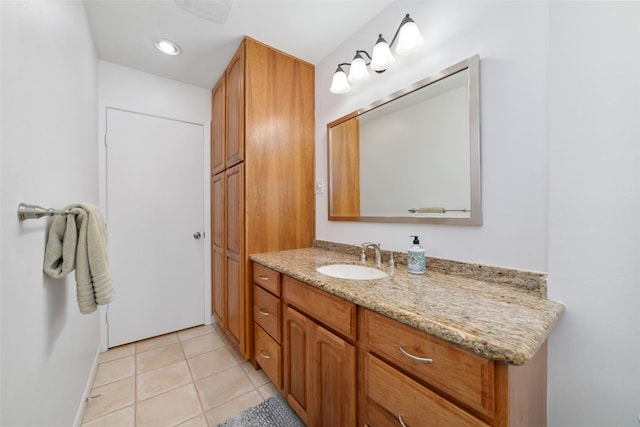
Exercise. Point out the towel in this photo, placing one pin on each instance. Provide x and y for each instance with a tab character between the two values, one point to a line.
60	252
78	241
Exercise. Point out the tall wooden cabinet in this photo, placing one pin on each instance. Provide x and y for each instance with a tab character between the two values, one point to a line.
262	164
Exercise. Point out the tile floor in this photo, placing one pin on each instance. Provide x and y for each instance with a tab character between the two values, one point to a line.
189	378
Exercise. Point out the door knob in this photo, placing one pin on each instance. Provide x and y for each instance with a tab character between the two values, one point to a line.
197	235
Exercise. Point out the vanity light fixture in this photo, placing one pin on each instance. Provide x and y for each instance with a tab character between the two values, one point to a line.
167	46
409	41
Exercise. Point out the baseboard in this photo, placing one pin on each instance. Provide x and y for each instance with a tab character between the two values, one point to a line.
87	389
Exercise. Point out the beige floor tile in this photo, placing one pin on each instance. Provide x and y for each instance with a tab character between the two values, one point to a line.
268	390
114	370
122	418
199	421
220	413
211	363
163	379
202	344
196	332
225	338
159	357
169	409
236	354
156	342
257	376
115	396
118	352
222	387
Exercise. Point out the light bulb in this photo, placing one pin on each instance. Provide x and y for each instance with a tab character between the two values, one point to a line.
409	38
358	71
382	57
340	83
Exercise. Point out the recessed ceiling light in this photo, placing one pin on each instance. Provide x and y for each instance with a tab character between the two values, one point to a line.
167	46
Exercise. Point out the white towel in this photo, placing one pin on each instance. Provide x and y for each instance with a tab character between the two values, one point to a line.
79	241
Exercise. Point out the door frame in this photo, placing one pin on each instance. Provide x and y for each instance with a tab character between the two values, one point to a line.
102	187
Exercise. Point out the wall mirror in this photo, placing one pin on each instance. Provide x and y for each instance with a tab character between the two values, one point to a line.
413	156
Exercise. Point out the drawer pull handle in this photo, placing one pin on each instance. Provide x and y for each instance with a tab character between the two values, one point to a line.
401	422
264	313
419	359
265	278
264	356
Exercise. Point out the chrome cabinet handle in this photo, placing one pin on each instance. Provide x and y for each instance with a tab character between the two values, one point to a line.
264	313
264	356
401	422
419	359
265	278
197	235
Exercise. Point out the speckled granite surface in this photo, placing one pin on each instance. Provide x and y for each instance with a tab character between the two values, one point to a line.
496	320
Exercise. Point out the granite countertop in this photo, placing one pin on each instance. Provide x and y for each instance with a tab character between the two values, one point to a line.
499	321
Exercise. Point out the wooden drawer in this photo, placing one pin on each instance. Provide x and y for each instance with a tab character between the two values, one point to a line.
329	310
389	394
459	374
268	354
267	312
267	278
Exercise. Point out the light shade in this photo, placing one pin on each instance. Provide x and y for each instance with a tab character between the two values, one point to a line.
382	57
358	71
340	83
409	38
167	46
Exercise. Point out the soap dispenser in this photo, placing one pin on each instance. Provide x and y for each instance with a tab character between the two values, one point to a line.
416	260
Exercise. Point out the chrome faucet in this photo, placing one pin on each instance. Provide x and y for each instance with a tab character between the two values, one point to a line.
376	247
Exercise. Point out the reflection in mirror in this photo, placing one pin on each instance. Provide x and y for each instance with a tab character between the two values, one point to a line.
412	157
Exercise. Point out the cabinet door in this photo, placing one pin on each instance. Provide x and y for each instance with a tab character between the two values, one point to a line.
235	108
218	127
297	349
234	255
219	291
334	380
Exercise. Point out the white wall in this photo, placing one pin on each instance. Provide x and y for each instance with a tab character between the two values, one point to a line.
511	39
560	146
49	157
594	200
132	90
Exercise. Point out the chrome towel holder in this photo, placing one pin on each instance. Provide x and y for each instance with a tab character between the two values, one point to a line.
26	211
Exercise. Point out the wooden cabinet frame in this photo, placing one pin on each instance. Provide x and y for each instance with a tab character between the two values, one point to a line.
263	120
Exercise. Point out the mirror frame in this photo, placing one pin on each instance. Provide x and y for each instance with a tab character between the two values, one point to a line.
471	64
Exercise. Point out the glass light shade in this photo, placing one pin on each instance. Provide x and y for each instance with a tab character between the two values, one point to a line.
409	39
358	71
340	83
382	57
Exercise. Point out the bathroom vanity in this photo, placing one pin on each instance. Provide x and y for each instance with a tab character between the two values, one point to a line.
463	345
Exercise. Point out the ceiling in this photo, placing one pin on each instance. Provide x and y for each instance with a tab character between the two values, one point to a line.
124	30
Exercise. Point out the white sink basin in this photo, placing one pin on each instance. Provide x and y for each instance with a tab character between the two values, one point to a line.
351	271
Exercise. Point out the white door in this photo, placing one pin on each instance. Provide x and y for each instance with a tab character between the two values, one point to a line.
155	222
